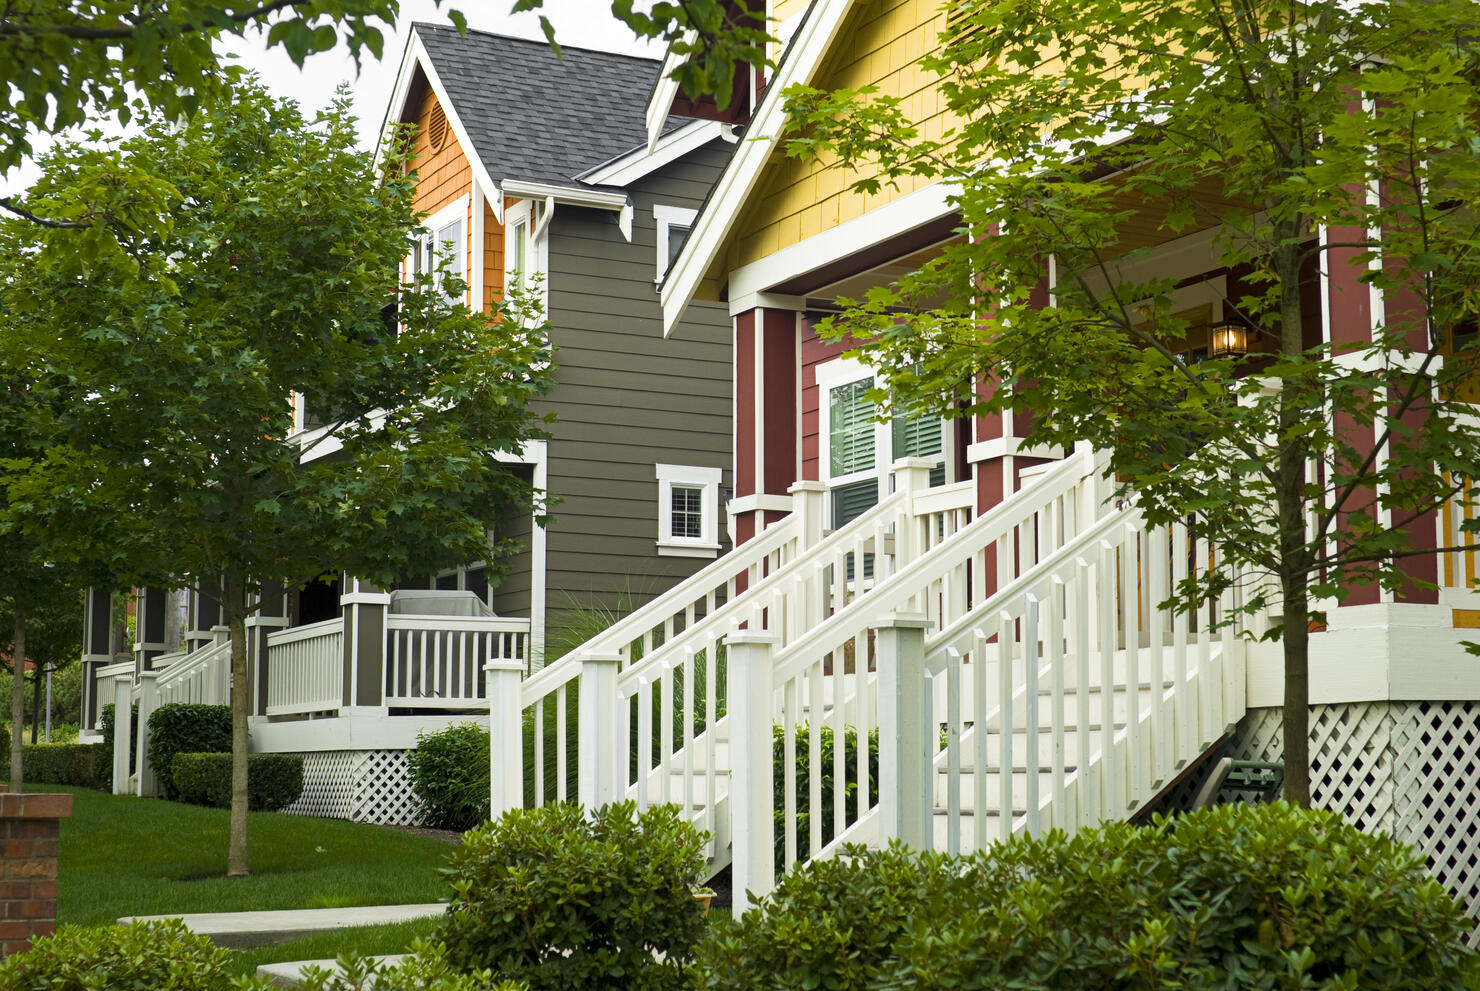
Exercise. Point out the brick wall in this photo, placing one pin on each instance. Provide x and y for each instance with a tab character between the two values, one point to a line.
29	828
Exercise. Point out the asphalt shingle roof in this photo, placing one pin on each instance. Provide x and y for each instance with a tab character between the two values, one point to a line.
533	116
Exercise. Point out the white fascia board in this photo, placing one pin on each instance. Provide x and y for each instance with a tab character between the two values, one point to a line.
640	162
850	237
814	38
416	56
592	198
665	91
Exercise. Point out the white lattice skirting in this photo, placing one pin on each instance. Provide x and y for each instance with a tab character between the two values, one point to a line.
361	785
1408	768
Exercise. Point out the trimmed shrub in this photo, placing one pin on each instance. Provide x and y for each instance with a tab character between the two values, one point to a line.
273	780
1267	896
449	776
108	721
162	955
804	793
185	728
425	969
66	763
563	902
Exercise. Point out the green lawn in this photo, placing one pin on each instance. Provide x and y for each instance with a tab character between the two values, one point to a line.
142	856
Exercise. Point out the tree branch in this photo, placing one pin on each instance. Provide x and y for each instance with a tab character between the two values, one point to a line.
10	205
87	32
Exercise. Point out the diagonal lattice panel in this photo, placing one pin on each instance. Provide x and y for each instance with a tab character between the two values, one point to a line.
361	785
1436	760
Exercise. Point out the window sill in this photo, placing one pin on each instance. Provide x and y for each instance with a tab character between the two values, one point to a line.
666	549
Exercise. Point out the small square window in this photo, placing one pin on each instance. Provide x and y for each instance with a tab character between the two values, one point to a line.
688	510
687	521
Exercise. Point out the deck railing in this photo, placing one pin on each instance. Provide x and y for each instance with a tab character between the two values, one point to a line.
201	676
437	662
305	668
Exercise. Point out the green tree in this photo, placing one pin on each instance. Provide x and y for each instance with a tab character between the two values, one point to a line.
1301	136
53	642
263	267
71	62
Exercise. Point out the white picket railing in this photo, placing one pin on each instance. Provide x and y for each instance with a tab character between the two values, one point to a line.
673	648
438	661
305	668
202	676
1097	729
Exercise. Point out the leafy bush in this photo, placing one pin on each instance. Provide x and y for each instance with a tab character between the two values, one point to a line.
832	923
449	776
804	796
273	780
67	763
564	902
185	728
1267	896
108	721
425	969
162	955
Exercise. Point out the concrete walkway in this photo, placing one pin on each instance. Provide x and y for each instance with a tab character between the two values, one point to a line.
240	930
289	974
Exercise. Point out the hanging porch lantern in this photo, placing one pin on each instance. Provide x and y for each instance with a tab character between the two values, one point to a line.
1228	338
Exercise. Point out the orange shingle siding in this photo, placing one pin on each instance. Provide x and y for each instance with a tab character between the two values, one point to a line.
442	177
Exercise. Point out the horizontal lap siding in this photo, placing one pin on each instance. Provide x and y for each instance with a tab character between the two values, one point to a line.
879	45
627	399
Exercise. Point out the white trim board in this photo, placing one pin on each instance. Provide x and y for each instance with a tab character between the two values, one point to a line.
416	56
642	161
714	224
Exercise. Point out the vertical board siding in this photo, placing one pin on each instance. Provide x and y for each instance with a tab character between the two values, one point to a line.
627	399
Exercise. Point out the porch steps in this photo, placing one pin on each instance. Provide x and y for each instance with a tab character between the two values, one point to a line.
242	930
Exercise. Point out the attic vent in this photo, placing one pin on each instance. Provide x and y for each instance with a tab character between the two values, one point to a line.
437	128
959	17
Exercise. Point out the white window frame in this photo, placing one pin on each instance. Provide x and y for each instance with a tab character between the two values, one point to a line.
454	212
845	371
667	218
707	480
537	255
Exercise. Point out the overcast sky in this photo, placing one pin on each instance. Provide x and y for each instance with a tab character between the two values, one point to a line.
581	23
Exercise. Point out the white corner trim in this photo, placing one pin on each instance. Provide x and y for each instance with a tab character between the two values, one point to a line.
812	41
641	162
476	245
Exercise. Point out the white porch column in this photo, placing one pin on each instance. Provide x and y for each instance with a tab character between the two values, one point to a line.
752	795
600	747
123	703
505	736
148	702
905	807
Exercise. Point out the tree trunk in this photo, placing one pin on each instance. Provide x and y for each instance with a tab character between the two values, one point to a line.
18	699
1294	554
236	608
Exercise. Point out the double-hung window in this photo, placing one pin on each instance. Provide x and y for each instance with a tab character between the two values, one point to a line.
857	450
441	246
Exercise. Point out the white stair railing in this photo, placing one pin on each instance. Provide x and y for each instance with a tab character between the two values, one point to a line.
822	677
673	647
1091	730
202	676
